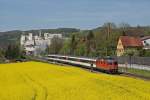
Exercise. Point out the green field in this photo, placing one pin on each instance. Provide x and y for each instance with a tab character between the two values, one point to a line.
41	81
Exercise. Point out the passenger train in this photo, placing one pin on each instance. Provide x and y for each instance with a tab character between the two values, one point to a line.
106	64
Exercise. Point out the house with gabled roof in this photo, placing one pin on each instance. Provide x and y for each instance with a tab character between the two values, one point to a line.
128	42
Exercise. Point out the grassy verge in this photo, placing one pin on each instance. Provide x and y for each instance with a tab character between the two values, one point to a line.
144	73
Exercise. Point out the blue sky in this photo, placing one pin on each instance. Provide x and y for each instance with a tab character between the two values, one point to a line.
84	14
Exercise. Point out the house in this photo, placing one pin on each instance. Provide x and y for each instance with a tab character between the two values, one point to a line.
146	42
127	42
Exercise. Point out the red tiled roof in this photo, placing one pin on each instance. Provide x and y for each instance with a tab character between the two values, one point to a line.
128	41
145	38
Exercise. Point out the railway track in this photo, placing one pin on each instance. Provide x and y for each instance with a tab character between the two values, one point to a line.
96	70
134	76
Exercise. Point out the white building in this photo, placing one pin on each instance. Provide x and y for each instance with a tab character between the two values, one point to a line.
34	45
146	42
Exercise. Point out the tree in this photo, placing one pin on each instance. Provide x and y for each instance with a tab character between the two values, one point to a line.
111	25
124	26
106	40
81	49
55	46
1	53
132	52
65	50
73	44
13	51
90	43
108	27
145	53
147	31
2	56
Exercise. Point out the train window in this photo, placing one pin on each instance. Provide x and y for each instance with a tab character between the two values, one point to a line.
63	57
115	63
110	63
103	62
83	60
99	62
71	59
86	61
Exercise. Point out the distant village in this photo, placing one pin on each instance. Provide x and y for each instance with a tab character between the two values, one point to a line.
35	44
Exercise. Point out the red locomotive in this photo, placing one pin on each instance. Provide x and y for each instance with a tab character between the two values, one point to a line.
106	64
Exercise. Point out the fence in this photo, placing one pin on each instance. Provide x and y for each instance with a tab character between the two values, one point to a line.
134	65
134	60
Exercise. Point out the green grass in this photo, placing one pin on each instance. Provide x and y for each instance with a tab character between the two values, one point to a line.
144	73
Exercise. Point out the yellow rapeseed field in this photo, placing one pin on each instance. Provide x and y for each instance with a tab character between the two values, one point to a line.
41	81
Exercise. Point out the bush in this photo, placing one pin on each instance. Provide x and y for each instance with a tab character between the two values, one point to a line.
131	52
145	53
14	51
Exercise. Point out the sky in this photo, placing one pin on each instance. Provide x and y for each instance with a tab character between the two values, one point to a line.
83	14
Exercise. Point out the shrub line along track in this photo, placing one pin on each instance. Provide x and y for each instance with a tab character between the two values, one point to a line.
97	71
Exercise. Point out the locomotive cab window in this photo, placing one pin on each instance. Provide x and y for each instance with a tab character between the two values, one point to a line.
115	63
